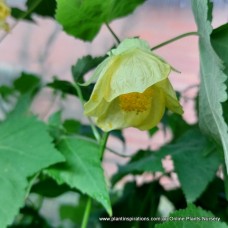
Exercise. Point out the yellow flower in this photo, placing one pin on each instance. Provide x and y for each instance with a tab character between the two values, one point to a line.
132	89
4	13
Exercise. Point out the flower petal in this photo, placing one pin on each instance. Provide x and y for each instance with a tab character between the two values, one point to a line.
170	96
94	108
101	68
134	71
97	96
115	118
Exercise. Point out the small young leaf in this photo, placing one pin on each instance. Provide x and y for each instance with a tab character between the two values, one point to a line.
26	83
84	65
63	86
66	87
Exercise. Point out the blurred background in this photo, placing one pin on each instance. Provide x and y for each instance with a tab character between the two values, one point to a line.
44	49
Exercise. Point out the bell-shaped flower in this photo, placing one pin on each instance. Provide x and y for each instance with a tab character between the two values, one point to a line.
4	13
132	89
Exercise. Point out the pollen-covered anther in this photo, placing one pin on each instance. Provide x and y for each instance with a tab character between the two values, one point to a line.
138	102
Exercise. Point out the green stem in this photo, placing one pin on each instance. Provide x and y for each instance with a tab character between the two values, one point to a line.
79	92
103	143
86	214
113	33
30	9
174	39
94	129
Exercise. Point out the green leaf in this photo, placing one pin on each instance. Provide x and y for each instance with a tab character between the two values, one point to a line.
72	126
225	111
84	65
219	42
75	210
214	199
219	39
22	106
25	149
44	8
82	169
143	161
210	10
194	154
177	125
212	87
19	14
83	19
152	131
72	213
67	87
55	119
27	83
176	197
63	86
136	202
6	91
190	213
49	188
86	131
118	134
225	181
122	8
55	127
40	7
